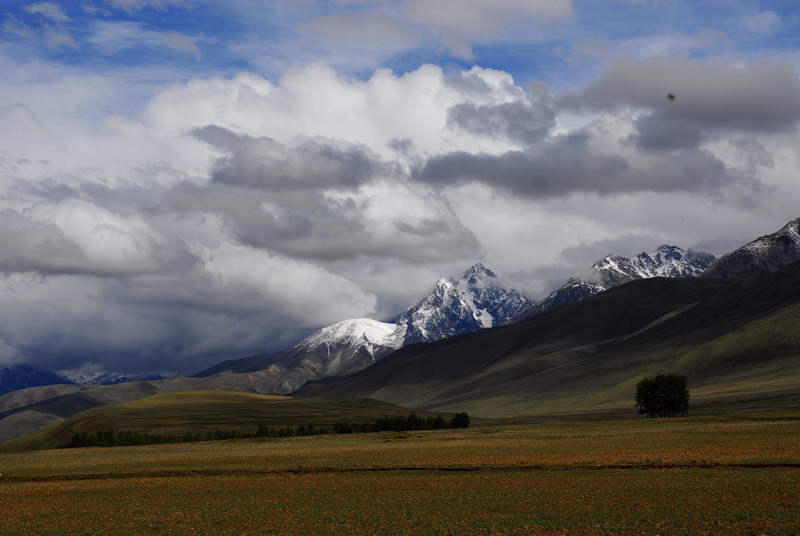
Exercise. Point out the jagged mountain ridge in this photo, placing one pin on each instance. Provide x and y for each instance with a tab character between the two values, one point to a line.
665	261
764	254
614	270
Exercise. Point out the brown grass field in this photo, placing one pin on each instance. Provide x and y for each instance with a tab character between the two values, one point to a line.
695	475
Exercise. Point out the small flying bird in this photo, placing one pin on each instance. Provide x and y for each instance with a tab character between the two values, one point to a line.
671	96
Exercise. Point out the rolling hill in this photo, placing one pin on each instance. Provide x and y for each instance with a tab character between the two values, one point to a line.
203	411
25	411
737	339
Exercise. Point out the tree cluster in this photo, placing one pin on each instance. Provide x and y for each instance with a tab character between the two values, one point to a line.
663	396
398	423
124	438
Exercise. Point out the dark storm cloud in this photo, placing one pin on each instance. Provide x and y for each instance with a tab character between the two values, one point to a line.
517	121
308	163
662	131
178	324
570	165
706	99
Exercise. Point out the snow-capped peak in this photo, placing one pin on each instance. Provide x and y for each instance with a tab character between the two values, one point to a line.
452	307
478	274
354	331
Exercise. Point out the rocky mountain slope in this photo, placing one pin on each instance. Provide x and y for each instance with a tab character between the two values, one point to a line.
765	254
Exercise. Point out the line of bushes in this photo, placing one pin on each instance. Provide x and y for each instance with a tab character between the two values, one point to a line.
399	423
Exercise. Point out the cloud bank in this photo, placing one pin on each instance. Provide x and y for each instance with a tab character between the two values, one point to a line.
161	219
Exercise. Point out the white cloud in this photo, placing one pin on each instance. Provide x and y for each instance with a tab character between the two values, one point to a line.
460	23
48	11
131	240
113	37
366	29
132	6
183	42
310	294
765	23
59	37
12	25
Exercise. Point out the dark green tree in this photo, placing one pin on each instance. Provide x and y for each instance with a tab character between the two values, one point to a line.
666	395
460	420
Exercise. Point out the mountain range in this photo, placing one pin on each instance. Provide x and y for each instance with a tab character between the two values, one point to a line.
474	302
737	339
568	356
21	376
614	270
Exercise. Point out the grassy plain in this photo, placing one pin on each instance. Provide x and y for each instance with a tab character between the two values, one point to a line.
207	411
696	475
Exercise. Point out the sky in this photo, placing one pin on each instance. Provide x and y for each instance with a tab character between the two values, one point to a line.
188	181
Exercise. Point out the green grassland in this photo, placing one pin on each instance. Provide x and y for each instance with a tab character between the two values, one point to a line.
206	411
694	475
